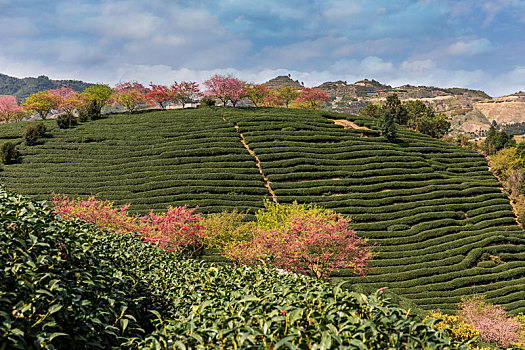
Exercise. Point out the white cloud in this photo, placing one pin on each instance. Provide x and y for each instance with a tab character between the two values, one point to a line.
375	65
418	66
469	47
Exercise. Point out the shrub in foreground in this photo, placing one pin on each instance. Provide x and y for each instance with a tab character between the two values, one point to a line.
454	326
59	285
8	152
31	135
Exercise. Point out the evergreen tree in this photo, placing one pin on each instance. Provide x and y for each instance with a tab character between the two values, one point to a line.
387	125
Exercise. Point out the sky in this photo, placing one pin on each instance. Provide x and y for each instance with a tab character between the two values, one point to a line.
477	44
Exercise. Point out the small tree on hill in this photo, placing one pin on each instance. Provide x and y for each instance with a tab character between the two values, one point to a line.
10	110
310	99
257	93
225	88
186	91
160	94
99	94
387	125
286	94
43	102
130	95
397	109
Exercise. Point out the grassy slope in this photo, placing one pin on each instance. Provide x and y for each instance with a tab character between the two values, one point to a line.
433	209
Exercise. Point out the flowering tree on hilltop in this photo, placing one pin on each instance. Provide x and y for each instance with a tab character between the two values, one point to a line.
310	99
186	91
225	88
286	94
69	99
98	95
10	110
160	94
129	95
43	102
257	93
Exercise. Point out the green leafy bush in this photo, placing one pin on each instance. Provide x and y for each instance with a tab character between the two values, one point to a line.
60	286
8	153
66	120
31	135
207	101
83	115
41	129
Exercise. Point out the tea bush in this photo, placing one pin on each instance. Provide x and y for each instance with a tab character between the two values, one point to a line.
8	153
31	135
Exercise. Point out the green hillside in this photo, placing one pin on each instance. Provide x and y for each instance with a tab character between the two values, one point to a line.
442	225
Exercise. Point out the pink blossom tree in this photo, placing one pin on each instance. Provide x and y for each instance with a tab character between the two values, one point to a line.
69	99
186	91
160	94
179	229
310	99
9	109
309	240
492	322
130	95
225	88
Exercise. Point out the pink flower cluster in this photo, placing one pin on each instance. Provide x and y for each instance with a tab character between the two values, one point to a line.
313	244
178	229
492	322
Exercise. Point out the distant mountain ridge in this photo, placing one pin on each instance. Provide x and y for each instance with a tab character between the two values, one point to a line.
22	88
470	111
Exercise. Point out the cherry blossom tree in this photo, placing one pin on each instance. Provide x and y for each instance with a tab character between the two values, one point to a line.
225	88
43	102
69	99
257	93
310	99
9	109
129	95
160	94
186	91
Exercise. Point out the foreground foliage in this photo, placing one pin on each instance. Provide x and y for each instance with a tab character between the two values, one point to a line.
66	284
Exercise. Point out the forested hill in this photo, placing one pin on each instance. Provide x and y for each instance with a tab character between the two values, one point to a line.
22	88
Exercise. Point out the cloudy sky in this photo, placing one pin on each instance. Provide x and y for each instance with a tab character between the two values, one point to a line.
447	43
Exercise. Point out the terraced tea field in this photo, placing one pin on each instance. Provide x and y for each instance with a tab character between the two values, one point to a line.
442	225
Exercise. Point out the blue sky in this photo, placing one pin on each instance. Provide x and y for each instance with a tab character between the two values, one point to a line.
472	43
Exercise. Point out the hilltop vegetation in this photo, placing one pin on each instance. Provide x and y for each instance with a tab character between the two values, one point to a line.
441	224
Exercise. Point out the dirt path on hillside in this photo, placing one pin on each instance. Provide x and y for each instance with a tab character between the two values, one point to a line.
347	124
257	163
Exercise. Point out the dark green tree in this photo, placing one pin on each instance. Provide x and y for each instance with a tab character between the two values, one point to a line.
372	110
497	140
423	119
387	125
396	108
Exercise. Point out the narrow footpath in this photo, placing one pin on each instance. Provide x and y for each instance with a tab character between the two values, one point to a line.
257	163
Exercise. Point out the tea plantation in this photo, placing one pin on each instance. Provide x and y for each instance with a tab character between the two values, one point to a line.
441	224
